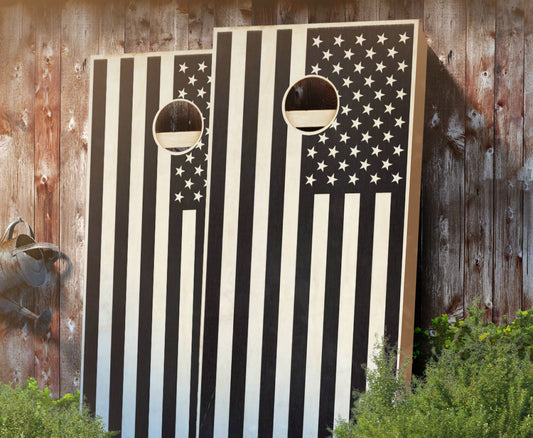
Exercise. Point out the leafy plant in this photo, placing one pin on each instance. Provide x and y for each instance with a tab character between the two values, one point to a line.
479	383
29	412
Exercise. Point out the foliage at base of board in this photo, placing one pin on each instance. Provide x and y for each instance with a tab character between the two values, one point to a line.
29	412
478	384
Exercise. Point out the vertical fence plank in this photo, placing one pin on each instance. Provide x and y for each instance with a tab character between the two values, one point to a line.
289	12
79	40
111	27
442	217
363	10
201	22
169	24
263	12
47	218
330	12
229	13
508	157
17	47
479	148
137	26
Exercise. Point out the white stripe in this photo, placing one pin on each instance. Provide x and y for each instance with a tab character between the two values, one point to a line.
260	233
343	380
160	263
188	237
134	247
315	326
378	288
105	312
288	250
229	233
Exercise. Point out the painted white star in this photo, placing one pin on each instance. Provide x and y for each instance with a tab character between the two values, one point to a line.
347	82
358	68
182	93
343	165
189	158
382	38
392	53
344	137
327	55
389	108
376	150
322	166
380	66
379	95
338	41
357	95
179	171
399	122
390	80
206	131
322	138
404	37
202	66
354	151
178	196
370	53
199	144
369	81
367	109
183	67
208	105
317	41
209	79
360	39
366	136
400	94
192	80
346	109
398	150
396	178
387	136
310	180
201	92
374	178
311	152
337	68
332	179
333	152
198	195
205	182
315	69
334	124
188	183
356	123
198	170
353	179
402	66
365	165
386	164
348	53
377	122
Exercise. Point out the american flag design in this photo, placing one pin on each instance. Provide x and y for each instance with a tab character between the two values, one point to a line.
307	235
145	240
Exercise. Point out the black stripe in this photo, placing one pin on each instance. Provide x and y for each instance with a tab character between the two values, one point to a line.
301	312
172	314
94	243
275	224
196	312
245	225
394	267
362	289
214	250
121	243
147	250
331	315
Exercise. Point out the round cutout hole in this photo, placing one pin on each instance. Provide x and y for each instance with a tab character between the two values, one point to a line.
311	104
178	126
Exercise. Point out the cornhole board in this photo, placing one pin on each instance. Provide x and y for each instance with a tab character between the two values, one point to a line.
145	216
311	239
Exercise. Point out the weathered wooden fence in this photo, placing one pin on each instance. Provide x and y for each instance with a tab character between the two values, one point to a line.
477	207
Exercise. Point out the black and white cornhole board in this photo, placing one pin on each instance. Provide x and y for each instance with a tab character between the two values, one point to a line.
311	239
146	212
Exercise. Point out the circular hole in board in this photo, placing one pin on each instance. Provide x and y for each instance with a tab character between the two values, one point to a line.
178	126
311	104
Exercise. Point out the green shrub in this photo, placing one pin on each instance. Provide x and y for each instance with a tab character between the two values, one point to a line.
29	412
479	384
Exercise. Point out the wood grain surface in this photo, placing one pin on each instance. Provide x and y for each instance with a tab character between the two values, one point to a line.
476	237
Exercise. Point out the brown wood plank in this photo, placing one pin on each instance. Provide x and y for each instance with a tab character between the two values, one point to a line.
479	152
442	268
137	26
364	10
527	171
16	172
47	218
201	22
79	40
169	24
331	12
263	12
401	9
508	156
229	13
290	12
111	26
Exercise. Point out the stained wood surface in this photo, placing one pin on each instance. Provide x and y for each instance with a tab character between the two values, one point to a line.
476	237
